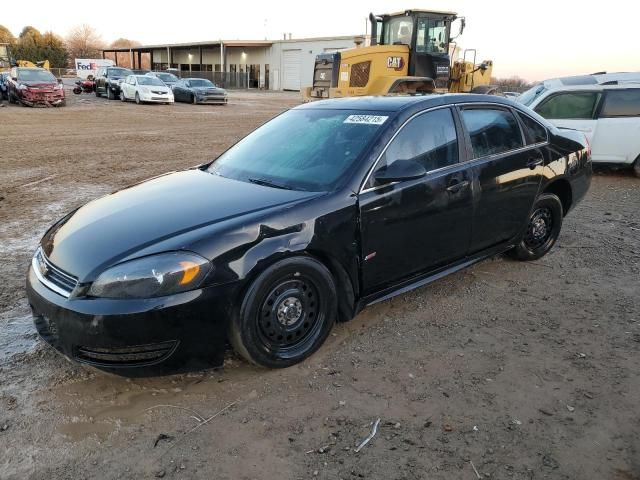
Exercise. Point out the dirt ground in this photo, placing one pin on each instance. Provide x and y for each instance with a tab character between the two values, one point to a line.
504	371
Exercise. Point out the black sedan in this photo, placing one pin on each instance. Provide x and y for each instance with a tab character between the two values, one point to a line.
327	208
198	90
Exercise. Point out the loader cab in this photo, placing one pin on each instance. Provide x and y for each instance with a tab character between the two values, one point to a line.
426	33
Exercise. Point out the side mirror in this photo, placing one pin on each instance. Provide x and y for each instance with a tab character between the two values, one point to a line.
399	171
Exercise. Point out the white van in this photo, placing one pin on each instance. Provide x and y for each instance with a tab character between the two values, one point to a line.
606	107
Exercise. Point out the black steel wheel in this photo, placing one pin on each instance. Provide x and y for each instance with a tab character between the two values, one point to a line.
286	314
543	229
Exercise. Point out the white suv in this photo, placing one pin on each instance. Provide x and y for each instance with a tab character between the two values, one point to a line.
606	107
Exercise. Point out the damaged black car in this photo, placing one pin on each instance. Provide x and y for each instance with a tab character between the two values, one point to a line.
327	208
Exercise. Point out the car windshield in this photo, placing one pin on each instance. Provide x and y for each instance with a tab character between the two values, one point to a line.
167	77
118	72
150	81
530	95
200	82
301	149
35	76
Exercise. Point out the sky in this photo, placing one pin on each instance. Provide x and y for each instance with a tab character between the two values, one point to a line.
533	40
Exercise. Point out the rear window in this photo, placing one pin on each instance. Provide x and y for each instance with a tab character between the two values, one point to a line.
621	103
535	132
492	131
570	105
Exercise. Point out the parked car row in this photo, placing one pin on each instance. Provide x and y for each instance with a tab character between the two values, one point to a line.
605	107
156	87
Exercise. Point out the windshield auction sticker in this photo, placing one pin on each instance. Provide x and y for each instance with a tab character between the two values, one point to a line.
366	119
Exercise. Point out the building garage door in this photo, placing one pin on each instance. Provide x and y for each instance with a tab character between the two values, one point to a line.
291	77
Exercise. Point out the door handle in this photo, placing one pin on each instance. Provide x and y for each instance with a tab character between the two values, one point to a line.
534	162
456	187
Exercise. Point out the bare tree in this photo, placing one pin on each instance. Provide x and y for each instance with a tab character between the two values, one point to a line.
124	43
84	41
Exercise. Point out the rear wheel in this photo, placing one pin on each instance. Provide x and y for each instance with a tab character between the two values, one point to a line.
636	167
543	229
286	314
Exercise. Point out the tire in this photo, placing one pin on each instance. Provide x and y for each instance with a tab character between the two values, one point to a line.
109	93
137	98
62	103
636	167
194	100
286	314
77	90
122	97
543	229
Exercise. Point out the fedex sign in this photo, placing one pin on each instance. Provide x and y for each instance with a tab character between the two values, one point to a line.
88	66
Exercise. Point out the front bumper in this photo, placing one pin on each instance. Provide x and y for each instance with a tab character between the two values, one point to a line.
211	99
35	98
163	335
153	97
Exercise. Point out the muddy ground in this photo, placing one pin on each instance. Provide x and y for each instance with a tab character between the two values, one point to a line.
507	369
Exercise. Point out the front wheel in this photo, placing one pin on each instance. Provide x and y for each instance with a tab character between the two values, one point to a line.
194	100
137	98
122	97
543	229
110	95
286	314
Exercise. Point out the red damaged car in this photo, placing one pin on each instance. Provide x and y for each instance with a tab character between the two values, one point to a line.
35	87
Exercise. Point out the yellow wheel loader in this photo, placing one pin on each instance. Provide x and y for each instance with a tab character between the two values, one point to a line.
6	61
410	52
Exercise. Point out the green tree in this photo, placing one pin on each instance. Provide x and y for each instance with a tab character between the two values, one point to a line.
6	36
30	36
35	47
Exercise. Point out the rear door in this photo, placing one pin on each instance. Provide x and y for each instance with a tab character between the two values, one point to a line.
617	137
417	225
507	174
574	109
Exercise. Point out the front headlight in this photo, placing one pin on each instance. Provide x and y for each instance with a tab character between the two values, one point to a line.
153	276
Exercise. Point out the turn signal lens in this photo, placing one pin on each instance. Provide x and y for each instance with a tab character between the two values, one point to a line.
189	272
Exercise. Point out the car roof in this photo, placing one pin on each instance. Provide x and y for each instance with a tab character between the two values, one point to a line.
595	88
396	103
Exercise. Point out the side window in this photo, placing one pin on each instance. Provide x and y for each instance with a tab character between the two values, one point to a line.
621	103
429	139
535	132
577	105
492	131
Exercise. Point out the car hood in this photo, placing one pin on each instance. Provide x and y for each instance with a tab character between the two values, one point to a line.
123	224
38	84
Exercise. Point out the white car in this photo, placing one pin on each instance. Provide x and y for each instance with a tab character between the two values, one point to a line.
605	107
144	88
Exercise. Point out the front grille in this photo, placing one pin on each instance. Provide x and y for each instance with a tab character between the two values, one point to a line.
137	355
51	276
360	74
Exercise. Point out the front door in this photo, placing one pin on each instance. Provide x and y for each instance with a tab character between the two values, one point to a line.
431	55
507	174
417	225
